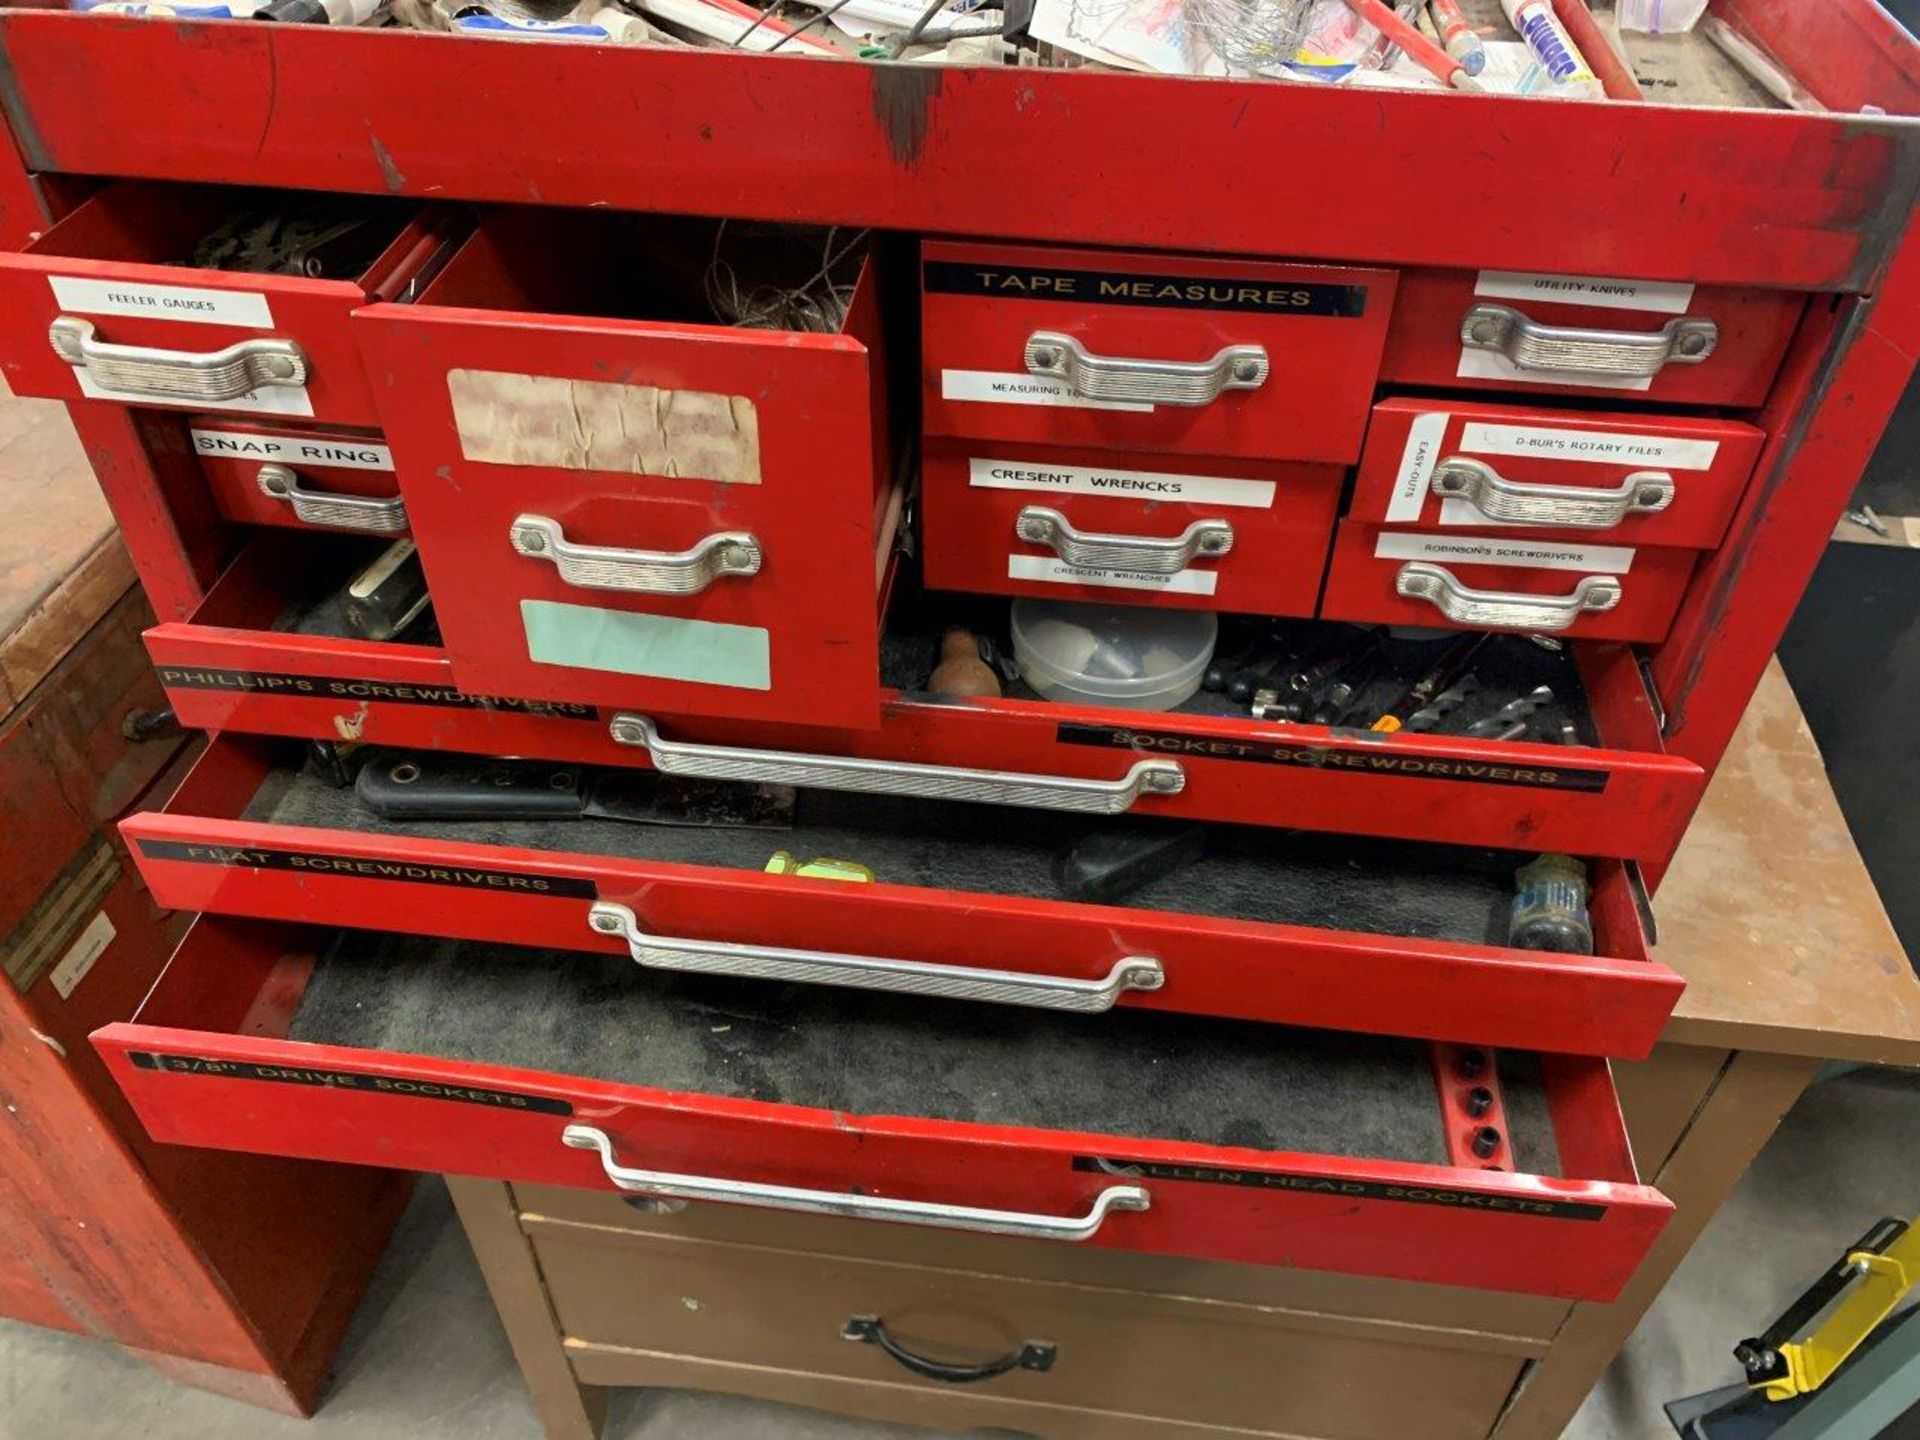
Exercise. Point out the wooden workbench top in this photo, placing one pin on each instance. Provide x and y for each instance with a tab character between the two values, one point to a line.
62	565
1769	913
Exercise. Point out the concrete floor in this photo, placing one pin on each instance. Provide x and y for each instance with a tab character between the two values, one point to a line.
425	1358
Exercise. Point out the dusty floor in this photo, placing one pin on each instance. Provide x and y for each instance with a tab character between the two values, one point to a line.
425	1358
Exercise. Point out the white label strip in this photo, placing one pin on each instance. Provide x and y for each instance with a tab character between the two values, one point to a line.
1660	297
1055	571
291	449
1417	464
1524	554
268	400
1486	365
74	965
1010	387
1120	484
1597	446
162	302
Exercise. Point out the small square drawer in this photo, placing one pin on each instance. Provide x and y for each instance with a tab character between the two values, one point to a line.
211	298
1157	1134
1215	534
1439	466
1494	582
1138	351
272	474
1668	341
645	461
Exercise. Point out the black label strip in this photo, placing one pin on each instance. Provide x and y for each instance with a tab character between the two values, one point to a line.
1247	294
1362	758
362	867
1346	1189
326	687
349	1080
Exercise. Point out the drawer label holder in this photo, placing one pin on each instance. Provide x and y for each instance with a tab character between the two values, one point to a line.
1378	757
367	867
1404	1193
348	1080
1247	294
332	687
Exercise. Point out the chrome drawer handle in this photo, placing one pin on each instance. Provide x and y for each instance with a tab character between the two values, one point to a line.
894	777
1504	609
228	374
650	572
1153	382
857	1207
323	507
1143	554
1515	501
868	972
1571	350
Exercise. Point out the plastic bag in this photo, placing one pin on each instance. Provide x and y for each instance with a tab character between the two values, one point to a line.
1659	17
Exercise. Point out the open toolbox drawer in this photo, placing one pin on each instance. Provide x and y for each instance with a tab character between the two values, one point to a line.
1153	1133
1261	925
266	653
110	303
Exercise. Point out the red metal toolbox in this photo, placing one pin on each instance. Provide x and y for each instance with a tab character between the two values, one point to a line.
442	1057
107	304
273	474
1625	479
969	910
1175	353
617	506
1623	338
1213	534
1493	582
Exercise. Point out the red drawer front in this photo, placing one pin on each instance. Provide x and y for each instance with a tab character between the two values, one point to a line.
1640	479
1371	565
92	274
1088	506
195	1081
1311	338
199	856
770	475
1744	333
262	474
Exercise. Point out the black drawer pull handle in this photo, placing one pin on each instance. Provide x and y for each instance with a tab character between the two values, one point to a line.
871	1330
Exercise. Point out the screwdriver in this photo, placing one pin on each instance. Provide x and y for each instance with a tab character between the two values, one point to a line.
1451	665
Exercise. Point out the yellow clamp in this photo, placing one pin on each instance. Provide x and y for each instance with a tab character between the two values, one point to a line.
1884	1280
824	868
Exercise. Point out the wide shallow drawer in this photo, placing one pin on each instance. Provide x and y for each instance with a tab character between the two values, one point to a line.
1501	330
1084	1348
1496	582
269	652
1262	925
1009	519
621	499
1156	1133
109	304
271	474
1140	351
1632	479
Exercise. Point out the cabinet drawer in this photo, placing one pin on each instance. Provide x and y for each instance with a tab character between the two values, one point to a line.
619	499
1499	330
1238	1367
1261	925
303	479
1215	534
109	304
1492	582
1154	1133
1436	465
1140	351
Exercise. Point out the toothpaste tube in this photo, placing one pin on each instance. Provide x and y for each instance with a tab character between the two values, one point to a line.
607	25
1549	41
176	10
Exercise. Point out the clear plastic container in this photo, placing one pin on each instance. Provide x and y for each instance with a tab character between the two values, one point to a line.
1121	655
